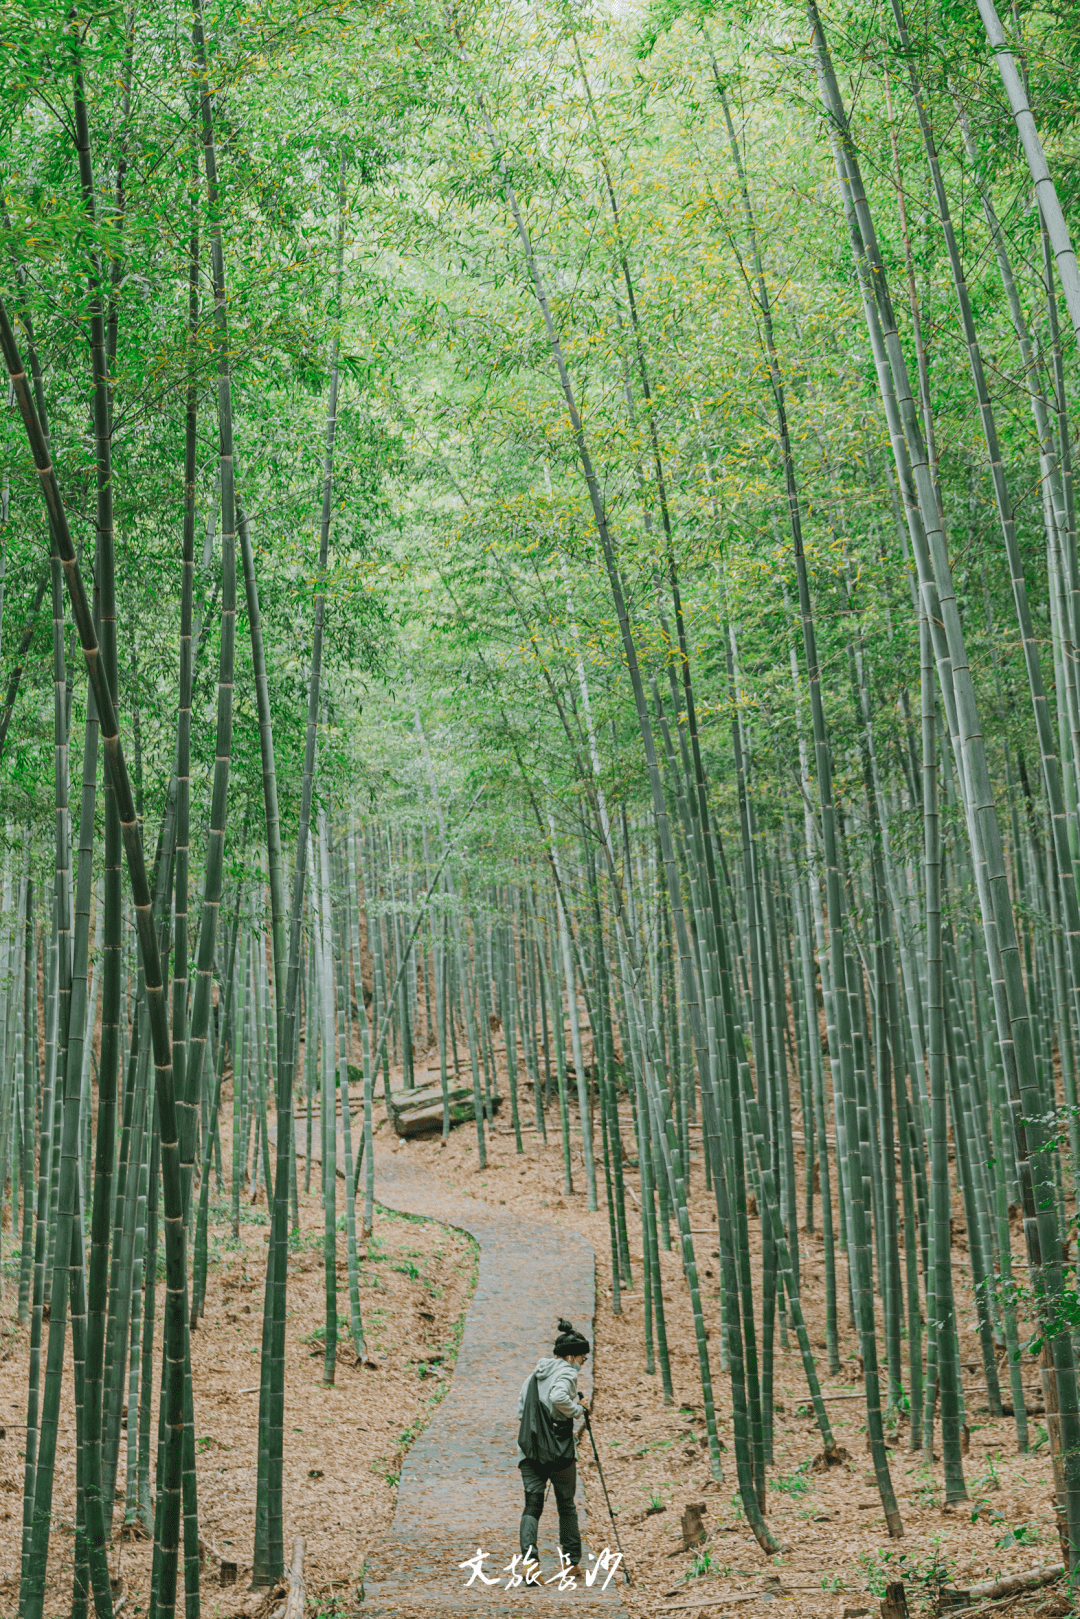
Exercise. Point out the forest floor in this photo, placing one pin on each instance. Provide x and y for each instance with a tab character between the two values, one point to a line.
837	1554
344	1445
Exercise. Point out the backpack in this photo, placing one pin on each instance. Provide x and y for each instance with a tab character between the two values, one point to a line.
546	1441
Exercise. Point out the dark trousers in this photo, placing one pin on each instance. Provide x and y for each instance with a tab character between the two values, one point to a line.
563	1476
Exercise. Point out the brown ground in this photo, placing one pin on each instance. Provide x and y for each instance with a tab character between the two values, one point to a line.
838	1552
344	1445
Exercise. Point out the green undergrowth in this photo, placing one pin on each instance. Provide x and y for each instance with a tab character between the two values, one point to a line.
797	1483
924	1575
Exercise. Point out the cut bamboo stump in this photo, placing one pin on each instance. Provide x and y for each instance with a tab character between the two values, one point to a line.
294	1602
894	1605
693	1530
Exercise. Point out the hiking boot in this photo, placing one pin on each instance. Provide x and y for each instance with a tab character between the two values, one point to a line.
575	1572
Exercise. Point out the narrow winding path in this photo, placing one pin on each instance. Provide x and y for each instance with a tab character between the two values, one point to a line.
460	1489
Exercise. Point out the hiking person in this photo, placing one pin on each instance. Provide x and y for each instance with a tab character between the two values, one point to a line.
548	1408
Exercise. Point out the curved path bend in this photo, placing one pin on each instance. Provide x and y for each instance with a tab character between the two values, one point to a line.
460	1488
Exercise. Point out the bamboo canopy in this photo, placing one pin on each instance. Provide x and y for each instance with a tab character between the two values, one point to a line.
650	722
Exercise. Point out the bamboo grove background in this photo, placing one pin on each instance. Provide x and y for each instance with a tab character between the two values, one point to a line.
580	504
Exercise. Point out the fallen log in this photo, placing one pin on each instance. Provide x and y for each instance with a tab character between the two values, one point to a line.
986	1607
1009	1585
711	1602
418	1111
294	1602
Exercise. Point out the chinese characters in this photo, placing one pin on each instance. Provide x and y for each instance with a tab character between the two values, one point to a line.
525	1570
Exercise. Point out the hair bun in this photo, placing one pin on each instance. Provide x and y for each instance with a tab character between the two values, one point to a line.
564	1325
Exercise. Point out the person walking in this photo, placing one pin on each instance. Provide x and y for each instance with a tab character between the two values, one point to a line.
549	1410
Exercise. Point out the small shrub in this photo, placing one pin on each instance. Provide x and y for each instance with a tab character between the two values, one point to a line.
925	1576
797	1483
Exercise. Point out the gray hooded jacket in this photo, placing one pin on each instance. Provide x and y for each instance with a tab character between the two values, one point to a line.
556	1384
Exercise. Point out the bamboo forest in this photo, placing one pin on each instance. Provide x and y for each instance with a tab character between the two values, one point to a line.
539	777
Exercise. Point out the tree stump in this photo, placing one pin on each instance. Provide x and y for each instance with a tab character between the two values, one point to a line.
693	1530
894	1605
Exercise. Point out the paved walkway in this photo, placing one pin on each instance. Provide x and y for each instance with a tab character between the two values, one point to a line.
460	1489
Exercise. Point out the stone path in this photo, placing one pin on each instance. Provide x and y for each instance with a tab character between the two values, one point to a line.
460	1488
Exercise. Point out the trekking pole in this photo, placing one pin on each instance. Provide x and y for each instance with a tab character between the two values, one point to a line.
607	1498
